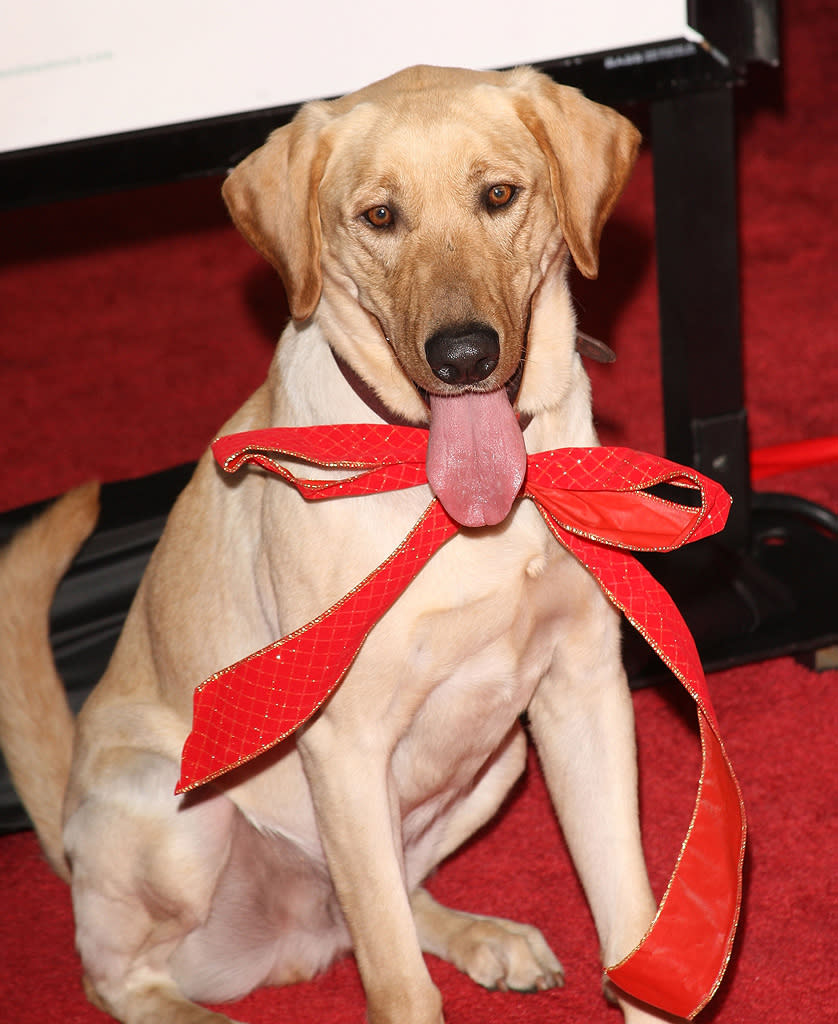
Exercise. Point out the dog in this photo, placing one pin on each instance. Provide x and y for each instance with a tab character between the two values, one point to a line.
423	228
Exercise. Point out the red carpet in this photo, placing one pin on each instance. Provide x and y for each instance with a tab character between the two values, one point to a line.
132	325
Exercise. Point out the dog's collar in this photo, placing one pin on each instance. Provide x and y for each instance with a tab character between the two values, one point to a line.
368	396
595	503
594	349
585	345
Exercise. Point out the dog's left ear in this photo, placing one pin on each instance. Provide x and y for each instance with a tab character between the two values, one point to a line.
272	198
590	150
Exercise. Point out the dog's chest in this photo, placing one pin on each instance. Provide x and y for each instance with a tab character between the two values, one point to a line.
442	678
466	648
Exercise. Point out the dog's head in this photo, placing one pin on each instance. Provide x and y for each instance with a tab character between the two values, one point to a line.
427	219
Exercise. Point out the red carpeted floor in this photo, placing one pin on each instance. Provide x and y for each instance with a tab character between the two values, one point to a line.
132	325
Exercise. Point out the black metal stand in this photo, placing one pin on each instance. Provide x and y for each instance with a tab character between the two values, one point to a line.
768	586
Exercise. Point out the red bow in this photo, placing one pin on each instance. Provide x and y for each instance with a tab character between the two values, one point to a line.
596	503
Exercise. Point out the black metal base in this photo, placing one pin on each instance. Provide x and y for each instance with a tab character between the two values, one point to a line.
776	597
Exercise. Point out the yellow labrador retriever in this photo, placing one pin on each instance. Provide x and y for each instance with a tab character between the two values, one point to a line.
423	228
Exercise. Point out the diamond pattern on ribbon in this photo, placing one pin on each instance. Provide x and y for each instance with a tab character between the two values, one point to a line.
253	705
597	504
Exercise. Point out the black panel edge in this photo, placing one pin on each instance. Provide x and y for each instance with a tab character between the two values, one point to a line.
199	148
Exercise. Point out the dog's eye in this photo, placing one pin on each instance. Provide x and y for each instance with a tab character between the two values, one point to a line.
379	216
500	195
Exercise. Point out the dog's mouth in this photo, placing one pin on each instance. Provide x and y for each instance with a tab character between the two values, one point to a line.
477	459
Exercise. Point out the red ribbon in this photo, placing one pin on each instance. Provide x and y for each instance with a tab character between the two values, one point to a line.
597	503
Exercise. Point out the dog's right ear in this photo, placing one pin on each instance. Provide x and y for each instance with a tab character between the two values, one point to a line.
272	196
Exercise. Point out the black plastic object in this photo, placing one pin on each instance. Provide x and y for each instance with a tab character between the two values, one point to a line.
773	597
93	600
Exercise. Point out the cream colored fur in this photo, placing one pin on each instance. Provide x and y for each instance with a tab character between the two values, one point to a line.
321	846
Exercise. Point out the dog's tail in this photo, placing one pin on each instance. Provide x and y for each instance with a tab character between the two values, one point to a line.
36	724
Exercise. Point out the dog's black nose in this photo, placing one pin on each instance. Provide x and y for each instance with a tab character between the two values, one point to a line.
464	354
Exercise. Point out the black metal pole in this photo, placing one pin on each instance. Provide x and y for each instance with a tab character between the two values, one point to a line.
693	141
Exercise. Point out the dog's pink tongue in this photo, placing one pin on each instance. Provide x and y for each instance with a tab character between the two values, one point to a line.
476	456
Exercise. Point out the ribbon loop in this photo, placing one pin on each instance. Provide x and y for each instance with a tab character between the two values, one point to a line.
604	494
622	519
358	446
389	458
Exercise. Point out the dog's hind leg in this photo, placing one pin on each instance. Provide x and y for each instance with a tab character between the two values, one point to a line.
161	1006
144	869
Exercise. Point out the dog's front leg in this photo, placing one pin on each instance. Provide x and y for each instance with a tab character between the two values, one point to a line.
582	721
360	829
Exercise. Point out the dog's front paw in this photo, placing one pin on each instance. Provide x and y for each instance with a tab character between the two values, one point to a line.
494	952
503	955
